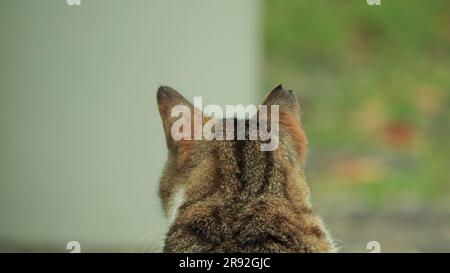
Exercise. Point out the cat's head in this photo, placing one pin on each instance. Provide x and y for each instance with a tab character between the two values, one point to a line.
205	165
289	128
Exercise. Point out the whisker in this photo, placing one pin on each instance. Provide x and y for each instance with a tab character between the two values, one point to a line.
135	230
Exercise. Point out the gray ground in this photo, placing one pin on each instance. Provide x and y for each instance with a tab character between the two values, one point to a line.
397	229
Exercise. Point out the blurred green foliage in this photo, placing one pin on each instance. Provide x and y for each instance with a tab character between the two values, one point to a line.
374	83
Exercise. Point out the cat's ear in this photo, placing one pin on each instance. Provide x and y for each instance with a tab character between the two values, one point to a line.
290	124
285	99
177	114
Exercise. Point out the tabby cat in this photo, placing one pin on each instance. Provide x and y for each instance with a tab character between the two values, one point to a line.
229	196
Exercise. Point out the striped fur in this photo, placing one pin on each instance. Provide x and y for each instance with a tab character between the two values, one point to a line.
236	197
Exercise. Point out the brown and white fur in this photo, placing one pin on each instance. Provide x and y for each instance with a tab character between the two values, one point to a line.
229	196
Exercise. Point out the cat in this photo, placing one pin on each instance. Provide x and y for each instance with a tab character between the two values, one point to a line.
229	196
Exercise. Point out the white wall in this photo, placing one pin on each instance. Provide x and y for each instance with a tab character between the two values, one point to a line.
81	142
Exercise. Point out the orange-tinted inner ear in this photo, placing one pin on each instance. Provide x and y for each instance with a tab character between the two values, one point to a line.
185	147
291	124
183	150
